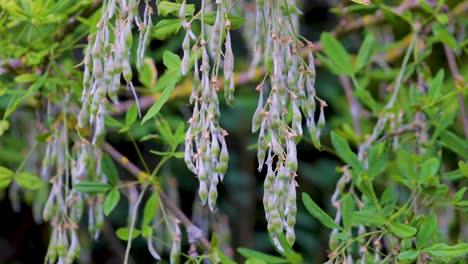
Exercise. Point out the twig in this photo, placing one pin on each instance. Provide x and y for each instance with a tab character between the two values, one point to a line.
135	171
354	105
115	244
458	79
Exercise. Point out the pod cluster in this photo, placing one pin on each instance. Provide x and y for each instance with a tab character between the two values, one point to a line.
286	98
107	58
206	153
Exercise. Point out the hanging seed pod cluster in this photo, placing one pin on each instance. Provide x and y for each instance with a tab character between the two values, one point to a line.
289	91
206	153
107	58
65	206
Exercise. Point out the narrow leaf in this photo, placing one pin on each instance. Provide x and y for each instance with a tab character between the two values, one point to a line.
28	181
337	53
426	231
154	110
92	187
123	233
345	152
368	218
248	253
446	251
318	213
402	230
111	201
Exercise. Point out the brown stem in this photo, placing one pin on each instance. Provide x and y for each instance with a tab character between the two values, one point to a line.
135	171
458	79
354	106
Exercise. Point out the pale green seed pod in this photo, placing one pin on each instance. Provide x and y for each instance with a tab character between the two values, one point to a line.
127	71
185	63
151	248
49	208
228	58
216	32
321	120
291	157
212	196
62	244
297	119
203	192
175	251
97	68
258	115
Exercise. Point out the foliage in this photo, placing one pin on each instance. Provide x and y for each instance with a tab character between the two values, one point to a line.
79	79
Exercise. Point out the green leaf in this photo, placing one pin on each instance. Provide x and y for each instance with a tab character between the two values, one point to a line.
111	201
26	78
365	52
429	168
223	258
444	36
171	60
179	154
109	169
123	233
151	207
362	2
446	251
236	21
410	254
436	85
368	218
28	181
154	110
454	143
148	73
166	28
6	176
248	253
348	207
402	230
165	8
463	168
336	52
345	152
318	213
131	115
4	126
110	121
377	160
406	163
426	231
92	187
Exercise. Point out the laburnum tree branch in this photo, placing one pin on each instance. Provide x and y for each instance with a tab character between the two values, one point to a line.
168	203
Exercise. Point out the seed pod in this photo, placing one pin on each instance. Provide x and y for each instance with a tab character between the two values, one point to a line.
151	248
175	251
297	119
258	115
203	192
321	120
97	68
49	208
291	157
127	71
216	33
212	196
186	58
228	58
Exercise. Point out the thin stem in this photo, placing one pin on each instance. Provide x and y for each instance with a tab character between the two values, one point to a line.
132	225
140	156
354	106
135	171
